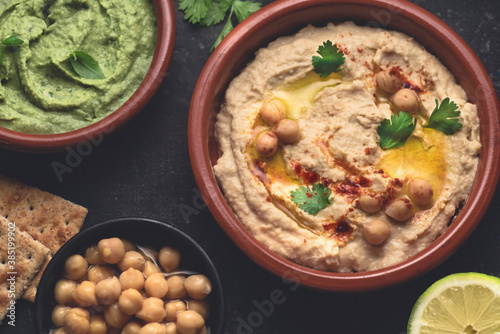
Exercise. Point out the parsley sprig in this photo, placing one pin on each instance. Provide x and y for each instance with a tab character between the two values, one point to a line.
212	12
445	117
329	61
394	132
312	200
10	41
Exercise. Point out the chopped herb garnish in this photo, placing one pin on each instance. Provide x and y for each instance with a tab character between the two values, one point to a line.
10	41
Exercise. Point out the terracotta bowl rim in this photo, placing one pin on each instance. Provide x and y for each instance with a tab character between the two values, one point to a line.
48	143
150	229
431	256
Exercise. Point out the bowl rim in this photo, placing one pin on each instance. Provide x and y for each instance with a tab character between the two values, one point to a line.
93	232
49	143
425	260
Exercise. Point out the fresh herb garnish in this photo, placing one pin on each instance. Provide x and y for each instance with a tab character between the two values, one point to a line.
311	200
394	132
85	66
445	117
211	12
330	61
10	41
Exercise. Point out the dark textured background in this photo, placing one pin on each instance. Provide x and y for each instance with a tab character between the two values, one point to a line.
144	171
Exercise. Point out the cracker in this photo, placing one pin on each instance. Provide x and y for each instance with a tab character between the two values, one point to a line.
30	292
21	257
48	218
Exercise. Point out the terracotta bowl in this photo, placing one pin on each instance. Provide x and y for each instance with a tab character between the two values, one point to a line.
287	17
165	15
142	232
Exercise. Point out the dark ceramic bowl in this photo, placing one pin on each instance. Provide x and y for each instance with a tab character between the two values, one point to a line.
165	17
286	17
143	232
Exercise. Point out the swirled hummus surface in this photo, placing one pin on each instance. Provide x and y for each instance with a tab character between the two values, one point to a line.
40	92
339	149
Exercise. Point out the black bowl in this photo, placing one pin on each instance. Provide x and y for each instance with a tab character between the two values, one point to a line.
143	232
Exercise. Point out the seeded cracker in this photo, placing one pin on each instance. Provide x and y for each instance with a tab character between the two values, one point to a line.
48	218
29	257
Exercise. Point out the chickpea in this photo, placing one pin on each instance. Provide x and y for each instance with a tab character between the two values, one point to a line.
92	255
272	111
176	289
376	231
97	325
406	100
387	82
400	209
150	268
198	286
60	330
64	291
111	250
156	285
199	306
287	131
204	330
266	144
75	267
76	321
58	314
112	330
129	246
172	328
99	273
108	290
132	327
132	279
189	322
132	259
370	204
85	295
421	191
151	310
130	301
153	328
169	258
172	307
114	317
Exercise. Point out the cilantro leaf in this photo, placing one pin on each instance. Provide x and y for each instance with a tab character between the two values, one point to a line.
445	117
330	61
394	132
311	200
85	66
244	9
212	12
226	30
195	10
215	14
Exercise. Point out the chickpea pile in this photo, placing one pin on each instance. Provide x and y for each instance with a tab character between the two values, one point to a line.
117	287
284	130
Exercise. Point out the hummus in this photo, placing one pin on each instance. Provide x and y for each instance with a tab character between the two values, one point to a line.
39	90
339	149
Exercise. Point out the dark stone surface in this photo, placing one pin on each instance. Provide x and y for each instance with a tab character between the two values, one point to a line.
144	171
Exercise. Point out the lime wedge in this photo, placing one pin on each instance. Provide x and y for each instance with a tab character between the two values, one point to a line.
467	303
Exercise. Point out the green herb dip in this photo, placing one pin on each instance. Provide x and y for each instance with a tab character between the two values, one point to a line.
39	90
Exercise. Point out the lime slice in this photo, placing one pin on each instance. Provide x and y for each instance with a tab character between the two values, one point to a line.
467	303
